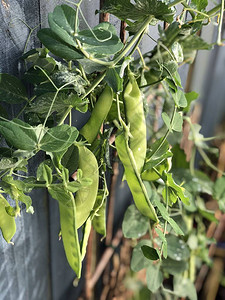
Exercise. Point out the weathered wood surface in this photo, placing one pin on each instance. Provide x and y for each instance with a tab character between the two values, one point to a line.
35	267
24	267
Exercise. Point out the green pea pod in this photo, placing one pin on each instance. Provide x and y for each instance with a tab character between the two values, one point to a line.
136	120
70	235
91	129
86	233
133	178
7	223
85	197
99	220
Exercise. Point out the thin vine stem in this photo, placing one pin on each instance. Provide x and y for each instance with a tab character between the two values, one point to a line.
167	132
89	90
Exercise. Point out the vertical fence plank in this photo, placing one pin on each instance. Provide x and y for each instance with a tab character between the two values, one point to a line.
24	267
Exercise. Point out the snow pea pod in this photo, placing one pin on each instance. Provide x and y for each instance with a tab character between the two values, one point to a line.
86	233
135	118
133	178
70	235
7	223
85	197
100	111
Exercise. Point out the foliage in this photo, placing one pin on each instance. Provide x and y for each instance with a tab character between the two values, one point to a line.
92	70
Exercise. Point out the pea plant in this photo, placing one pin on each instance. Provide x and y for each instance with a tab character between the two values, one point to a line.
92	71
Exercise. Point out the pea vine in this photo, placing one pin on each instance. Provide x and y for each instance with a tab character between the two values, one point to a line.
92	71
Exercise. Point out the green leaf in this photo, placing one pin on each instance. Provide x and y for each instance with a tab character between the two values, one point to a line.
57	46
149	252
72	79
219	188
62	23
11	89
58	138
157	150
200	4
35	75
16	189
183	287
7	163
167	121
70	159
43	103
64	16
19	134
134	224
177	249
27	201
177	52
60	194
74	186
102	40
164	241
166	217
44	173
219	192
190	97
179	158
200	183
154	277
5	152
114	80
194	42
174	267
177	122
124	9
138	260
180	98
176	189
155	155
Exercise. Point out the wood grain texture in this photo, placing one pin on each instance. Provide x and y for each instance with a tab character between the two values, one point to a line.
24	267
14	32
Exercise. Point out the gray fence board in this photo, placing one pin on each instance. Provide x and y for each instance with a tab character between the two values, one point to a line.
25	266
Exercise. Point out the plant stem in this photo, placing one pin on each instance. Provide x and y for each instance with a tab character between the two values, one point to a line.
214	10
219	42
197	11
192	161
175	2
89	90
167	133
133	41
124	51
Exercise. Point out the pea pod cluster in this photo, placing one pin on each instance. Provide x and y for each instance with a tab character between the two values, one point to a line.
131	146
